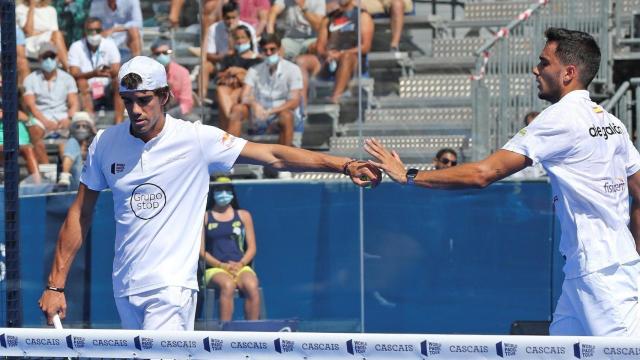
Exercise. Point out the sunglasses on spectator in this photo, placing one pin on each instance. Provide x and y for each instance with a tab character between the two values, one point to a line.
48	56
81	126
166	52
94	31
270	49
447	161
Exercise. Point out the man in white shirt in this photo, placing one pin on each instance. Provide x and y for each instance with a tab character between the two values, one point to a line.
219	41
51	96
271	97
157	168
94	62
122	21
592	166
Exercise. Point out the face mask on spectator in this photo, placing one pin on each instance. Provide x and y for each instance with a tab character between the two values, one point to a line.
223	198
94	40
80	133
241	48
48	65
273	59
163	59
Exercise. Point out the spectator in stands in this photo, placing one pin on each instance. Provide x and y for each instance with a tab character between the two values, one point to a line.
219	42
51	96
21	56
528	118
337	47
25	146
39	21
228	248
94	62
75	150
233	69
179	15
445	158
255	13
122	21
181	102
271	97
396	10
71	17
302	19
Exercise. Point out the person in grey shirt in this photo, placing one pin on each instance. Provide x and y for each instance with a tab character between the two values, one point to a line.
301	20
271	97
51	97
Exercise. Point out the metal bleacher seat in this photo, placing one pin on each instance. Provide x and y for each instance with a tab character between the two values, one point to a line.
455	86
403	121
417	148
494	11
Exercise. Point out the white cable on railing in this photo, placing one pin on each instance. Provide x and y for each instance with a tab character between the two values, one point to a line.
503	33
264	345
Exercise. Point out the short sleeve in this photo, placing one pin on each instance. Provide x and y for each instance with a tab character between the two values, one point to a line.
20	38
75	53
211	39
251	78
112	53
53	18
545	139
30	84
72	149
295	78
70	84
632	164
21	15
220	150
279	3
92	175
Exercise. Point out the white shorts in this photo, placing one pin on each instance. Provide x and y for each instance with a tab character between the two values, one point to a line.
167	308
603	303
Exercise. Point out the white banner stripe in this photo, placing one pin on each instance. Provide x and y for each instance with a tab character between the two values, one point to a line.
276	345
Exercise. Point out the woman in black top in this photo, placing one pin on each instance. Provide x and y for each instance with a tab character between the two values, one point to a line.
233	70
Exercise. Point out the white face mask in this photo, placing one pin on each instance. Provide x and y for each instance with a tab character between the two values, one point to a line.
94	40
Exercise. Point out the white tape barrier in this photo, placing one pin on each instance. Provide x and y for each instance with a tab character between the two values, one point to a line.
264	345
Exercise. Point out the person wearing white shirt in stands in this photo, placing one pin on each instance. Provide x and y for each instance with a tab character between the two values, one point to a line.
94	62
158	169
592	166
220	41
122	21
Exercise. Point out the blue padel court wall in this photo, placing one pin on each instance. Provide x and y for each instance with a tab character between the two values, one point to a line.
468	261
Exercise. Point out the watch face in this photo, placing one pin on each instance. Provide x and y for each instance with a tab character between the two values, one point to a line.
412	172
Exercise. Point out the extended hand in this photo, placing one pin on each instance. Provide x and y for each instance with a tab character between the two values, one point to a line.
389	161
364	174
51	303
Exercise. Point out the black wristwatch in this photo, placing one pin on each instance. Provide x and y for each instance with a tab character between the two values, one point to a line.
411	175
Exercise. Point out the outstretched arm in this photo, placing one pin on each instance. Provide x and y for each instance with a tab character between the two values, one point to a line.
478	174
72	233
293	159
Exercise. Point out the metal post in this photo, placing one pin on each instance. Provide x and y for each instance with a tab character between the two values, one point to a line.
11	168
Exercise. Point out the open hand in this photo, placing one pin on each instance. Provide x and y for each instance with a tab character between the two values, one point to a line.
388	161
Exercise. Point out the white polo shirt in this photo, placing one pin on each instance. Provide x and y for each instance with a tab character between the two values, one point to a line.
272	90
588	156
159	197
107	54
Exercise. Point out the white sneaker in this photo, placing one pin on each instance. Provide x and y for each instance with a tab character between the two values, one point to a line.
65	179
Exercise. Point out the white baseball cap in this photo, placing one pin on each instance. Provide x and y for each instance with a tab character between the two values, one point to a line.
153	74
